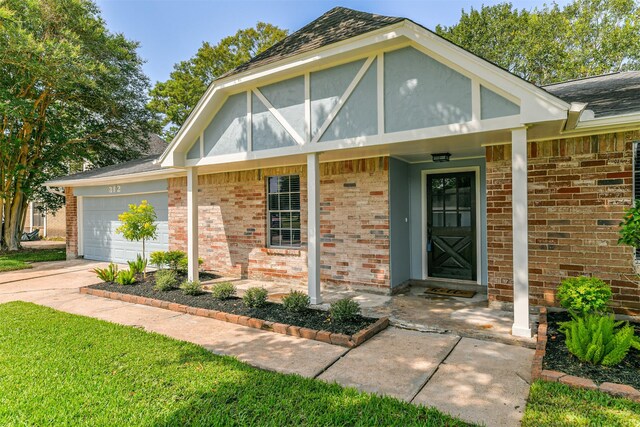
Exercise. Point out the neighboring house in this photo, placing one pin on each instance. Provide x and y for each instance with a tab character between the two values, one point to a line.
366	150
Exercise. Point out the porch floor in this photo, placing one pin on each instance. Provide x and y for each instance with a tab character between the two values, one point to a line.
413	309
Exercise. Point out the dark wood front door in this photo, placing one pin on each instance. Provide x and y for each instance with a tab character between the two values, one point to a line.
451	225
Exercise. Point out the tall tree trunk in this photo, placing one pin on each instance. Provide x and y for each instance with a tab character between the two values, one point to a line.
14	210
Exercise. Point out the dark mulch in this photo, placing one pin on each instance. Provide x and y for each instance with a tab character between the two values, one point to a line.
558	358
274	312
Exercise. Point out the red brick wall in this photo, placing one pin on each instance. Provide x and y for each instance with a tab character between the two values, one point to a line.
578	190
354	223
71	218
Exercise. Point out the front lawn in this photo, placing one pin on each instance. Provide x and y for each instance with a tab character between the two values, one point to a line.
22	259
63	369
555	404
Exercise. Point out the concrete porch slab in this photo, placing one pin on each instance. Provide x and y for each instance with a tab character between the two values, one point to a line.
481	381
395	362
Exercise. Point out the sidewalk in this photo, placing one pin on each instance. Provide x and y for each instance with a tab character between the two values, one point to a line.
478	381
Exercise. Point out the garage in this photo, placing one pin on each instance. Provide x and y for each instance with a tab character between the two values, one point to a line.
98	220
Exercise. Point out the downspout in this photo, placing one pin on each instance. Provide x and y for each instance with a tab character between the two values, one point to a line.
573	115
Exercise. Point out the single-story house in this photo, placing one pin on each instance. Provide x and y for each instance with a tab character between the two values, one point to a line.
366	150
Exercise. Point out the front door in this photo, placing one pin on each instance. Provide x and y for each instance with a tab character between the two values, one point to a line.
451	225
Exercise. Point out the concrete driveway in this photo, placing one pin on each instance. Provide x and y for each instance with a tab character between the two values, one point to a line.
478	381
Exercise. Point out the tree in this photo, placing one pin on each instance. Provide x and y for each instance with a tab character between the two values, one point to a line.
139	223
70	91
174	99
582	39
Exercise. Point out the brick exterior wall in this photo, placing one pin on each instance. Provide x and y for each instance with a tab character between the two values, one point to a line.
354	222
71	218
578	190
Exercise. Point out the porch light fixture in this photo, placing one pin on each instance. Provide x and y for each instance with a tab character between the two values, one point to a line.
441	157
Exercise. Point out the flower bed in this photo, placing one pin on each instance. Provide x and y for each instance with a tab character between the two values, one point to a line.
553	362
309	323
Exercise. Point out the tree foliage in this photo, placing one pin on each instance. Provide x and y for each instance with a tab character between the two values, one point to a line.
139	223
551	44
70	91
174	99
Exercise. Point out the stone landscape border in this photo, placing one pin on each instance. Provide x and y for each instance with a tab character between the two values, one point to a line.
537	371
343	340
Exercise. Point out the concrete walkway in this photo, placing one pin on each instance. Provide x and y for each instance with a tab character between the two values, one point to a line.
478	381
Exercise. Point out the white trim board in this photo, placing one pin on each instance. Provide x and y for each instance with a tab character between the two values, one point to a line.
423	224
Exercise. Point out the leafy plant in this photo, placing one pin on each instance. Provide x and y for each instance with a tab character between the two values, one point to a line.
599	339
165	280
139	223
108	274
126	277
630	227
183	264
223	290
173	259
255	297
582	295
344	310
295	301
159	259
139	265
191	287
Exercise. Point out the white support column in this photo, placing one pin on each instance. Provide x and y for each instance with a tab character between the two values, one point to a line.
313	224
192	222
519	200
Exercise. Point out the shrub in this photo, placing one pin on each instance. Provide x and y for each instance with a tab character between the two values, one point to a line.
295	301
630	227
126	277
108	274
139	265
223	290
174	258
344	310
593	338
191	287
159	259
255	297
582	295
183	264
165	280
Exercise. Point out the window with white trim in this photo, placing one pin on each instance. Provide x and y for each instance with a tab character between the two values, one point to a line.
283	211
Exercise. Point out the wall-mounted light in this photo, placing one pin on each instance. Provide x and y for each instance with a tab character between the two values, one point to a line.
441	157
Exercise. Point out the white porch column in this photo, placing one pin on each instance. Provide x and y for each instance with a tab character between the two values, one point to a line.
313	227
192	222
519	199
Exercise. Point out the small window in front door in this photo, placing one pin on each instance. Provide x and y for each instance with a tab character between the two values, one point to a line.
451	226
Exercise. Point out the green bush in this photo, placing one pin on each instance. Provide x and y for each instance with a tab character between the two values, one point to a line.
223	290
159	259
295	301
582	295
126	277
255	297
599	339
191	287
139	265
165	280
108	274
344	310
183	264
630	227
173	259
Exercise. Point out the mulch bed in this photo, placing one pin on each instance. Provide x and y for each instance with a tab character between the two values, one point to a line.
272	312
558	358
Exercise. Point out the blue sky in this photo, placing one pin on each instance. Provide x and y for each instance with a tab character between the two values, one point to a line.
172	30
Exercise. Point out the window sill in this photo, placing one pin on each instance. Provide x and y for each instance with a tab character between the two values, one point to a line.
282	251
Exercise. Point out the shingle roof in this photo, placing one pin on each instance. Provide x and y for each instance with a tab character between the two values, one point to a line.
336	25
143	164
607	95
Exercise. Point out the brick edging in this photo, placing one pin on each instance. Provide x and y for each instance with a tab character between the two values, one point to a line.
537	371
343	340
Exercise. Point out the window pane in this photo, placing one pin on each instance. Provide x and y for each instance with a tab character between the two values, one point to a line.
294	181
284	202
295	220
295	236
283	184
286	220
275	220
295	201
438	219
273	184
465	219
275	238
273	202
286	237
452	219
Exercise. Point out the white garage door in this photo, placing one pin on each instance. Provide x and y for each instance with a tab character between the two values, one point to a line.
100	221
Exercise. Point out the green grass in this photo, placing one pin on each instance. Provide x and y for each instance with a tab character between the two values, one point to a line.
555	404
63	369
22	259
